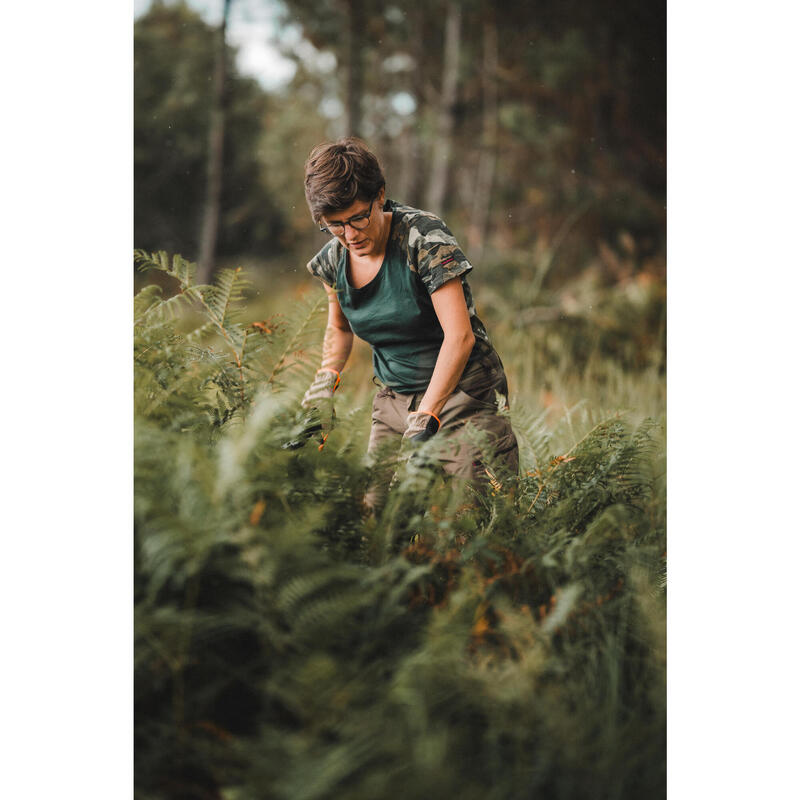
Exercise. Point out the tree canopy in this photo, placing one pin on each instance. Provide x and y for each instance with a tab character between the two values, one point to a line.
522	126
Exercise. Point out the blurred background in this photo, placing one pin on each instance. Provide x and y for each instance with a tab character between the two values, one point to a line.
285	647
537	130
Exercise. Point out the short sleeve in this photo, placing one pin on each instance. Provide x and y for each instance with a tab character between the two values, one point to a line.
325	263
435	253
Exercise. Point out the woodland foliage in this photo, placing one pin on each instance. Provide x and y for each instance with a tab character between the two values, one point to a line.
501	643
542	112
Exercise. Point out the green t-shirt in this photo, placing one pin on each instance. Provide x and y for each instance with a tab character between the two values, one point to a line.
394	313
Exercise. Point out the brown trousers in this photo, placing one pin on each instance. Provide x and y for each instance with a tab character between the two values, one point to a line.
473	401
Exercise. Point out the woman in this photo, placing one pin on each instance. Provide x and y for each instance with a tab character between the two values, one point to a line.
396	277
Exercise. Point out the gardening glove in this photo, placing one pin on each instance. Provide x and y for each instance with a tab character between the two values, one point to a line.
308	425
420	426
318	400
319	416
322	389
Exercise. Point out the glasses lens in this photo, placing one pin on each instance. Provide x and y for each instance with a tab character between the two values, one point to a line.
356	223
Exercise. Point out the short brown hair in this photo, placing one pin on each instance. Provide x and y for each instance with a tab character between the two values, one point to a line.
338	174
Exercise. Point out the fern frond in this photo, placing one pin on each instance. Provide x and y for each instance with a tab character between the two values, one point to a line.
305	328
201	333
225	295
309	585
181	269
145	299
166	310
533	436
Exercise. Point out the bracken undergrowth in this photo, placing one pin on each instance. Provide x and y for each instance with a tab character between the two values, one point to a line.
503	642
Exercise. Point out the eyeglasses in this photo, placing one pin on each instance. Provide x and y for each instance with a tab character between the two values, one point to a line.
357	223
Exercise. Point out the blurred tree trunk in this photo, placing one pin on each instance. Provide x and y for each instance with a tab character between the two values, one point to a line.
406	185
443	142
488	157
409	182
216	140
355	45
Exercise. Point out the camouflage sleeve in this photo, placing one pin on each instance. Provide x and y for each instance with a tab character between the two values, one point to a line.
435	252
325	263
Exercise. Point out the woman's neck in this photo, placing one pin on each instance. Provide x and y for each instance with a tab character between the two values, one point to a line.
386	216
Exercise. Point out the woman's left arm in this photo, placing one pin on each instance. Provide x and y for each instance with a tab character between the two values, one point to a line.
451	309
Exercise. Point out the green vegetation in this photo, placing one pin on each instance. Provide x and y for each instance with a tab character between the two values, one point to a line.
558	118
506	643
174	54
502	644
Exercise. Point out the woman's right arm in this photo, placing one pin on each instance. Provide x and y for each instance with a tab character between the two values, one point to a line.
338	341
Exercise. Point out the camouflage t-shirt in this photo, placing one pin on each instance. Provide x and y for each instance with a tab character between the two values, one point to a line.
394	313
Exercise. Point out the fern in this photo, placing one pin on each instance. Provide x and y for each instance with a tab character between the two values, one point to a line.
287	646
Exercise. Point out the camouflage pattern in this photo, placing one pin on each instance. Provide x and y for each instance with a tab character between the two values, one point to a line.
325	263
431	251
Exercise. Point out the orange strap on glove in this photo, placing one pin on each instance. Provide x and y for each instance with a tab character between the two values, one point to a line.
421	426
325	383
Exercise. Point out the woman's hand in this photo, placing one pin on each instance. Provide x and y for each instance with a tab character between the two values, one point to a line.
420	426
324	385
451	310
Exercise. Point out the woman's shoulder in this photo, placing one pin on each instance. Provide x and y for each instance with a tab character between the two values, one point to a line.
412	224
428	245
326	262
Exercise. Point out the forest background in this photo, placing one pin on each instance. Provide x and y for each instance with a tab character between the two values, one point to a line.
530	130
711	201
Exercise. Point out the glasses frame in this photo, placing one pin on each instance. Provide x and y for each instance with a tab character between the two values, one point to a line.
351	221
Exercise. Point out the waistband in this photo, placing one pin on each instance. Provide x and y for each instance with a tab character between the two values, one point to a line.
482	373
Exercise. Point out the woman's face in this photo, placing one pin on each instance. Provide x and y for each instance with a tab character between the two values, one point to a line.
368	241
